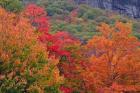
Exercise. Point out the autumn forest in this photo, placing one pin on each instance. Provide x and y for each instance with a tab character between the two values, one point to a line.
56	46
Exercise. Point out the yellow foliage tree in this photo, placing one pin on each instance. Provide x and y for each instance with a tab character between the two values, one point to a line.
24	62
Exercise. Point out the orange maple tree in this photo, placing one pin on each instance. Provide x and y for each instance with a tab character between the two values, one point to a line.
114	63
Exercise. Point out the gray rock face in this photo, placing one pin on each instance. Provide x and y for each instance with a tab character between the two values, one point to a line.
127	7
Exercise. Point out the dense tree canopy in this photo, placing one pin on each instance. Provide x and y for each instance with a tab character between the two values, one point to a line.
40	52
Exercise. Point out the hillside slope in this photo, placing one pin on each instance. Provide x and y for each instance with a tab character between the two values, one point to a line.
85	19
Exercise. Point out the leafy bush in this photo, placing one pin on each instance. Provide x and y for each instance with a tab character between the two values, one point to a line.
56	7
89	12
12	5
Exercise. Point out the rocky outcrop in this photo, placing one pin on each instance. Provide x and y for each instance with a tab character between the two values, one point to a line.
128	7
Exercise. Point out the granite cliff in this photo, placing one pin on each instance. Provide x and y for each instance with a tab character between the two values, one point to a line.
127	7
